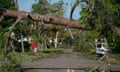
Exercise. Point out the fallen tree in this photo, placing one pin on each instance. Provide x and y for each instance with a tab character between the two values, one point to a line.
20	15
37	17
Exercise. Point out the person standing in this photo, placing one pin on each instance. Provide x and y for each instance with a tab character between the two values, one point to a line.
96	42
33	47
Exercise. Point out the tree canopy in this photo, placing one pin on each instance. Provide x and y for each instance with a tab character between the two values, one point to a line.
102	16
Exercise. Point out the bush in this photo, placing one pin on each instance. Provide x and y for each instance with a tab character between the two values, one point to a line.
115	46
2	39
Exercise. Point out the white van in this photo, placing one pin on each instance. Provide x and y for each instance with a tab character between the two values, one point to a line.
101	48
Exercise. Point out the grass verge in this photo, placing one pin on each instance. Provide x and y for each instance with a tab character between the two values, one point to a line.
40	54
114	59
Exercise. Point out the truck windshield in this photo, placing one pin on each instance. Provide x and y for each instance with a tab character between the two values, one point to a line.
98	45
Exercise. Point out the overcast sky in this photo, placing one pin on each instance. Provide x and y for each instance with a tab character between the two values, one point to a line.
26	5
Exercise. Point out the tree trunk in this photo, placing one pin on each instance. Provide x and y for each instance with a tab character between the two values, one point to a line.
22	44
56	39
1	18
16	3
46	19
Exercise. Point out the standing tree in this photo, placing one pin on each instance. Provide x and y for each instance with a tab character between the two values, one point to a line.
102	16
46	8
4	27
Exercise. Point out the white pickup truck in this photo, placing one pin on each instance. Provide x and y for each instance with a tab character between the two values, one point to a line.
101	48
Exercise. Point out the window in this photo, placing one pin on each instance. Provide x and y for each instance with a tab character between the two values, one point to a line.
98	45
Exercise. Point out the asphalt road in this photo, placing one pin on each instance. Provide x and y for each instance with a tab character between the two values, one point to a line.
66	62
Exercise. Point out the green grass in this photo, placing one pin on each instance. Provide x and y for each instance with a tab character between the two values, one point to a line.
0	67
116	62
28	56
87	55
1	54
114	59
1	57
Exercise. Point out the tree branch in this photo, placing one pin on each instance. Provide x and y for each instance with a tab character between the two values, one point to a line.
13	26
73	8
1	18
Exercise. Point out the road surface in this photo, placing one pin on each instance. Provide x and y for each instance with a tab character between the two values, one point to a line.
66	62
